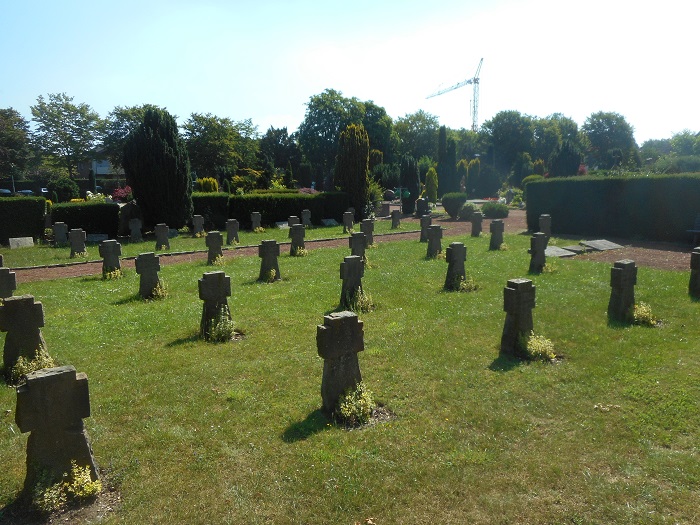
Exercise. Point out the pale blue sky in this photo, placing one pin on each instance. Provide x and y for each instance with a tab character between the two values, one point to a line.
263	60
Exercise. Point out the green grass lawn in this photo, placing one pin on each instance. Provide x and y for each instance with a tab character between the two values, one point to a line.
44	254
192	432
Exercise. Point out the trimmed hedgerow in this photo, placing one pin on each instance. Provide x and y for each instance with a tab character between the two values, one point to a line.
213	207
494	210
93	217
21	217
277	207
659	207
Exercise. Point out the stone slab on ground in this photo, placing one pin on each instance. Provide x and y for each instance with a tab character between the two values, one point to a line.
329	222
555	251
21	242
576	248
97	237
601	245
283	225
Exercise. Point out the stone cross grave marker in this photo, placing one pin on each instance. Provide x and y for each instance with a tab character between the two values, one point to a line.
455	255
22	319
8	283
384	209
162	240
51	405
352	270
497	227
291	221
348	221
367	227
339	339
214	290
297	233
694	283
197	224
214	242
546	225
135	226
255	219
395	219
147	266
422	207
538	245
358	244
110	250
306	217
623	277
232	228
268	251
434	240
77	241
518	302
60	233
425	222
476	220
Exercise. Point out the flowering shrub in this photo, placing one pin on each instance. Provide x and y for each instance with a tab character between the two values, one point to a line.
122	194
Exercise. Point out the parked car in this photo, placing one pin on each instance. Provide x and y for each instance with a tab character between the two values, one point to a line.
26	193
5	193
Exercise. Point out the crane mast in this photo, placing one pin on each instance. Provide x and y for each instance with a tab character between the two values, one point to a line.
474	81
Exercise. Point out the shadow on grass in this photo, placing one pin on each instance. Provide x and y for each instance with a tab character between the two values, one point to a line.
314	423
128	299
619	325
184	340
505	363
19	512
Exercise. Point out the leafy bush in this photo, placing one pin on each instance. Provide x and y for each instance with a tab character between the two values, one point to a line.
355	406
76	486
207	185
222	329
453	202
122	194
25	366
431	185
537	347
64	188
643	315
494	210
465	212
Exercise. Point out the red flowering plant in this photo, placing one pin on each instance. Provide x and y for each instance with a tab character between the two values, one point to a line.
122	194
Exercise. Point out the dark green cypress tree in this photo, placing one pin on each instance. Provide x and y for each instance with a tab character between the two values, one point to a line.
565	160
157	168
352	167
410	179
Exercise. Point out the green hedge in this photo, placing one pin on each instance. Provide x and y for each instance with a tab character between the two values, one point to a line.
659	208
494	210
453	202
277	207
98	217
21	217
213	207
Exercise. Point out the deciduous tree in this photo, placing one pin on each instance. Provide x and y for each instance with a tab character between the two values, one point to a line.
611	140
65	131
121	121
14	143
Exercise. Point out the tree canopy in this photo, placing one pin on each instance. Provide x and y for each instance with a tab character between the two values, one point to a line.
611	140
65	132
14	143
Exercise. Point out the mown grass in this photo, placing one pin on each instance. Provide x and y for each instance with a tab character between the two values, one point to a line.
193	432
44	253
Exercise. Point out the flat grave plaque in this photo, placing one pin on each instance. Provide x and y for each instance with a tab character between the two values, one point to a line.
329	222
97	237
555	251
283	225
601	245
576	248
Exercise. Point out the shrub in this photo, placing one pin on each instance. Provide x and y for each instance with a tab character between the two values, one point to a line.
25	366
494	210
352	166
221	329
643	315
565	160
355	406
431	185
453	202
122	194
537	347
465	212
410	180
77	486
64	188
207	185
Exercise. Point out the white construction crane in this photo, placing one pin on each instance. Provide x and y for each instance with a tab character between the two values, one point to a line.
475	99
